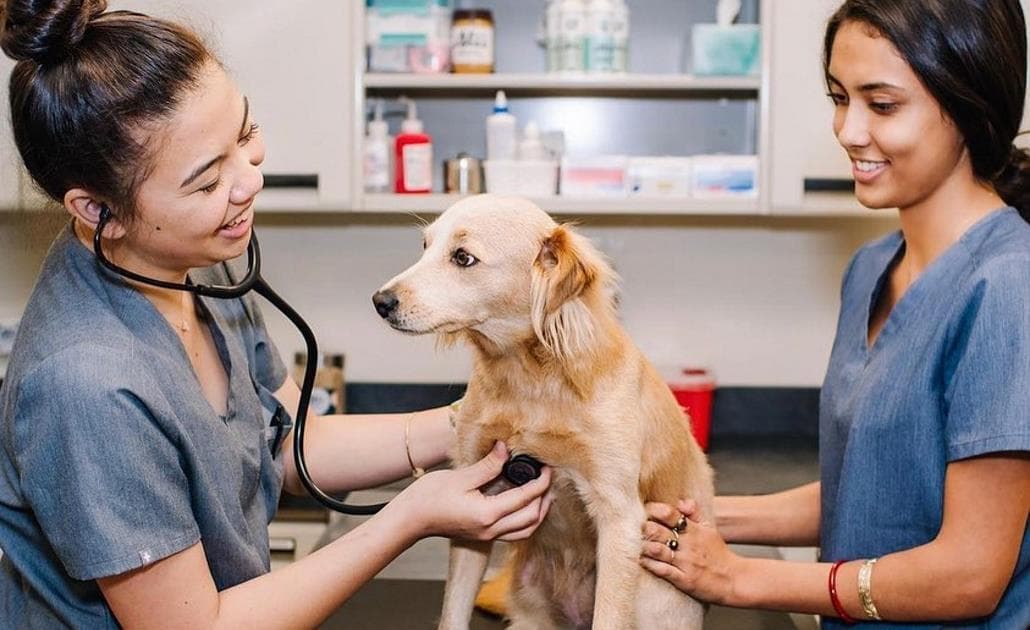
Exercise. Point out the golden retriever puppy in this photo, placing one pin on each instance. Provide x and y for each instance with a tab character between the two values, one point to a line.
556	377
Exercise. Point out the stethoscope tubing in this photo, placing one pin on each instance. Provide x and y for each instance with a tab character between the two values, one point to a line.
254	282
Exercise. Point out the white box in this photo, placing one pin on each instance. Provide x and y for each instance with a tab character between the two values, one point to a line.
659	176
603	176
526	178
724	176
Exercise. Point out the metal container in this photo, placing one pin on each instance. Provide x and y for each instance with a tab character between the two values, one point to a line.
463	174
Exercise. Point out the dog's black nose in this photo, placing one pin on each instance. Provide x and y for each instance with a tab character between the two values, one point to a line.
386	302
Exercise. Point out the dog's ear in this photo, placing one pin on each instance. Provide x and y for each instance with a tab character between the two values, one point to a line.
566	268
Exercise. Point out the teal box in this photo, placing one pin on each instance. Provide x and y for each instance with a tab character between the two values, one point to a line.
733	50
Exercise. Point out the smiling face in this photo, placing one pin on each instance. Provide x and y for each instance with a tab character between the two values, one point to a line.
195	206
903	147
474	273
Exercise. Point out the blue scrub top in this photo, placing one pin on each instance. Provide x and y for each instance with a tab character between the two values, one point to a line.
111	457
947	378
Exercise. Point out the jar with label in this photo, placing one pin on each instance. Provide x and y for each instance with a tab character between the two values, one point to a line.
472	41
327	395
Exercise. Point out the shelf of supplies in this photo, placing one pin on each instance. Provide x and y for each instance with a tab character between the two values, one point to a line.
436	203
562	83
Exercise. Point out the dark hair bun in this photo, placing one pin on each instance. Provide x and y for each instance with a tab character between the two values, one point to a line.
46	31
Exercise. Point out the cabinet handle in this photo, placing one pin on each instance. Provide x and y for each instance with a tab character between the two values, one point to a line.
291	180
814	184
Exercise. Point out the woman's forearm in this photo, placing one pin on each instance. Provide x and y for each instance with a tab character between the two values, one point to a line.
924	583
788	518
319	583
347	452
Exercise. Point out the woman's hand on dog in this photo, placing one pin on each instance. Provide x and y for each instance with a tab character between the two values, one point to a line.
450	503
702	565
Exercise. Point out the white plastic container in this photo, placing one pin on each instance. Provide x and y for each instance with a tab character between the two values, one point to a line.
724	176
501	140
598	176
659	176
527	178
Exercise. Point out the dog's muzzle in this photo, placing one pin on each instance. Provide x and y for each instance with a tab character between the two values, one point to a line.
385	302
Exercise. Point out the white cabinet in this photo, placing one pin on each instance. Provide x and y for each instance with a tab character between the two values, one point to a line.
292	60
802	145
10	163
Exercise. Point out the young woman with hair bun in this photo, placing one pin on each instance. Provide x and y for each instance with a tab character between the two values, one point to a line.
137	475
921	510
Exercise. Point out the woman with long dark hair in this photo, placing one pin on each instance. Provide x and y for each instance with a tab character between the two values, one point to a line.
921	510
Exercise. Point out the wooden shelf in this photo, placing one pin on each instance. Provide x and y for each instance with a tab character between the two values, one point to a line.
562	83
436	203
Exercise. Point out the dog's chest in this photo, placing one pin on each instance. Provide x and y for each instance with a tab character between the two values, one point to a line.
551	434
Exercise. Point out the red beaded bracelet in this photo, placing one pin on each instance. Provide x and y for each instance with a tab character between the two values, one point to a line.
832	583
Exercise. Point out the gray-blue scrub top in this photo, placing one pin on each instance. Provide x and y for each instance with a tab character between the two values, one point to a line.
112	456
947	378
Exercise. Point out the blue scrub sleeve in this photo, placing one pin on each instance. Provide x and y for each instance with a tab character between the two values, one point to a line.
987	396
102	475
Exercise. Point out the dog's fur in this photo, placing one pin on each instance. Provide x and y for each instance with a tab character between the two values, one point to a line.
555	376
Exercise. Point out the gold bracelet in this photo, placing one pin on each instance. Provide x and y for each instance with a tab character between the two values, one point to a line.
865	589
416	472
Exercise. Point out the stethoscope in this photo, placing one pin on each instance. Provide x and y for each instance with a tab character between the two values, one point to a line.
518	470
254	281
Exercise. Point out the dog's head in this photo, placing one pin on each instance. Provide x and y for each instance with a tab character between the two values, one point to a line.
502	269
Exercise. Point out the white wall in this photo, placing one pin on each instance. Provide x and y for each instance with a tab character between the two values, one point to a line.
754	298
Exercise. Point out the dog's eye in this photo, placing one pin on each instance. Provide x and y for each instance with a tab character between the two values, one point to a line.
463	259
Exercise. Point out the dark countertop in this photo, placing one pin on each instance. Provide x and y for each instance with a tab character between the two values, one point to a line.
743	465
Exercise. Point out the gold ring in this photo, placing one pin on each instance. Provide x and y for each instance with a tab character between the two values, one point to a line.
681	524
672	544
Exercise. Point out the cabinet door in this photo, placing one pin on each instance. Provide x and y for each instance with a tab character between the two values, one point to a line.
801	116
294	62
10	163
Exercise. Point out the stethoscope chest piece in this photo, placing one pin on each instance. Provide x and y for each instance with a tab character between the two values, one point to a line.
521	469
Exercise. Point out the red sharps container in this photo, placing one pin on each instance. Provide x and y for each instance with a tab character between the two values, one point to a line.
694	389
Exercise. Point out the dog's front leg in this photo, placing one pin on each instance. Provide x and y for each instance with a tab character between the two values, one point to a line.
615	508
464	576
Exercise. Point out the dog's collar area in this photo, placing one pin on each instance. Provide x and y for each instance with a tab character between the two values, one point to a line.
521	469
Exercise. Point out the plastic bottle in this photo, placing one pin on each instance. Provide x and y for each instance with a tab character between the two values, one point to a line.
377	160
414	155
598	42
572	28
531	148
552	35
500	130
620	36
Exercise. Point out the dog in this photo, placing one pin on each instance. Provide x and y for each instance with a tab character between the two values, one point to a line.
554	376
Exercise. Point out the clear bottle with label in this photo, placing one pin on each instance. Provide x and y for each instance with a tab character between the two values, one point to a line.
552	35
413	155
598	42
620	37
572	31
378	151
